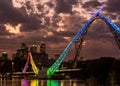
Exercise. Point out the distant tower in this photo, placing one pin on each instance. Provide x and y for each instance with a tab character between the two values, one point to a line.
43	55
33	48
42	48
23	45
24	48
4	55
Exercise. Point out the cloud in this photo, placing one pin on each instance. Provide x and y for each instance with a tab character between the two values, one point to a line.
50	4
40	21
9	14
33	23
64	6
91	4
3	31
14	16
113	6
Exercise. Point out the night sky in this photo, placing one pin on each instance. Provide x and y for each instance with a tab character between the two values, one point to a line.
56	22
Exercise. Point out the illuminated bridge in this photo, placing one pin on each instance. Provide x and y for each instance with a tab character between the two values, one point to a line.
79	36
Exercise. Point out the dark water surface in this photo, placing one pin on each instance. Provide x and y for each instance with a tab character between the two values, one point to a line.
68	82
24	82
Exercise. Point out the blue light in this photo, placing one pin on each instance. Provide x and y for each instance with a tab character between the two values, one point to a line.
110	23
57	63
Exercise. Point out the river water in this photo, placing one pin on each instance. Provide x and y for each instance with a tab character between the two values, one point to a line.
36	82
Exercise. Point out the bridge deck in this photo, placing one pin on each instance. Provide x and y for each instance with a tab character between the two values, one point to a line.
21	73
67	70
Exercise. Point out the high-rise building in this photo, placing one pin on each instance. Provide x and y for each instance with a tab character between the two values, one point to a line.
23	45
24	48
42	48
5	55
43	54
33	48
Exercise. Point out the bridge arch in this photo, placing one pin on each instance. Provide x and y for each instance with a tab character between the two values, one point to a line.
114	28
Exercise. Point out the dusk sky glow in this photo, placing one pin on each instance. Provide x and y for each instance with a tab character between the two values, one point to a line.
56	22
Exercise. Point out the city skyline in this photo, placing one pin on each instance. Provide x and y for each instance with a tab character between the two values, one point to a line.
55	22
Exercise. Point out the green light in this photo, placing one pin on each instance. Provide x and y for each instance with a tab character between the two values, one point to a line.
57	63
52	83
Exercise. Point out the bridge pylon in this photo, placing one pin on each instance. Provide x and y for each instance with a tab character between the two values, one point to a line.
79	41
78	47
116	37
112	27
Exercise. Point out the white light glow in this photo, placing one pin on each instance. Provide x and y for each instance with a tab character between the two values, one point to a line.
101	1
84	43
18	3
67	38
50	33
13	29
60	29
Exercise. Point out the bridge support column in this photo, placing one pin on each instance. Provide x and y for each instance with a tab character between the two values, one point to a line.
42	74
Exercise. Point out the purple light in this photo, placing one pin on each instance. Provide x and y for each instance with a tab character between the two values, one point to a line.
99	10
24	82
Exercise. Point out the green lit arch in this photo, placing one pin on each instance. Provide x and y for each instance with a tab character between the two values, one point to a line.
58	62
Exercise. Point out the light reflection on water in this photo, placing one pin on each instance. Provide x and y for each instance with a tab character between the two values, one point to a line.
37	82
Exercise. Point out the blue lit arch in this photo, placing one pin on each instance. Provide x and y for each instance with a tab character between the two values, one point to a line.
58	62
